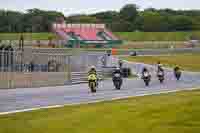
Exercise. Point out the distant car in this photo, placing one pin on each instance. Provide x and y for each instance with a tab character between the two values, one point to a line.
133	53
192	43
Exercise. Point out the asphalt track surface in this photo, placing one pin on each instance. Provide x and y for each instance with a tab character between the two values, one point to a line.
20	100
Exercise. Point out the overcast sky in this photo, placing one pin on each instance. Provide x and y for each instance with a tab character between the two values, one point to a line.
91	6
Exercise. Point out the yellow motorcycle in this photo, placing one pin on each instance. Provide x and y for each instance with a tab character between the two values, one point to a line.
92	78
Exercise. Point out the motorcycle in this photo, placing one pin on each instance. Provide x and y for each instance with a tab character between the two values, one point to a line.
161	77
177	74
147	78
117	81
92	82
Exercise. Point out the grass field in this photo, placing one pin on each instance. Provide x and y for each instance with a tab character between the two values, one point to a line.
189	62
157	36
166	113
27	36
128	36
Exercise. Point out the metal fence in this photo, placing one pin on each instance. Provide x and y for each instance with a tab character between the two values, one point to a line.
19	69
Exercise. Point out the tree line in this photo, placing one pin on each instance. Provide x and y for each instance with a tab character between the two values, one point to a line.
130	18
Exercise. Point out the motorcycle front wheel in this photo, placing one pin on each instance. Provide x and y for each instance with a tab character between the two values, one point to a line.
146	83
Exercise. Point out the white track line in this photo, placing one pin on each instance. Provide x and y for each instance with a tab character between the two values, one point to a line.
95	101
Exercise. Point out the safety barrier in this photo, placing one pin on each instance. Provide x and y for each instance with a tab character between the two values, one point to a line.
42	79
24	69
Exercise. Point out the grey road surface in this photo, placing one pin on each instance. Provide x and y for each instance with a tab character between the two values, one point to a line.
164	51
28	98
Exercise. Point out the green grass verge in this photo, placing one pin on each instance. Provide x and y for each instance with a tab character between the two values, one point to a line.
27	36
128	36
157	36
166	113
190	62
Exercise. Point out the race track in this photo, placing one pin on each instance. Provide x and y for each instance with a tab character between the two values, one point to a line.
19	100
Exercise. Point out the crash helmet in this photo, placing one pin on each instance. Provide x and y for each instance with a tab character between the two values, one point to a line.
92	68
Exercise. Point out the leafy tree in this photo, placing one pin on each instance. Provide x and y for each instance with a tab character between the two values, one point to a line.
82	19
152	21
129	18
182	23
129	12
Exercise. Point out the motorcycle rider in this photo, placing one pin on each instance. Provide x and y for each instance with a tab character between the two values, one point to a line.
145	71
117	76
177	72
93	71
146	76
176	69
160	70
161	75
159	65
117	71
120	63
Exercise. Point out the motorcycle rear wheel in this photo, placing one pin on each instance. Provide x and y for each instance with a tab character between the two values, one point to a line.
92	87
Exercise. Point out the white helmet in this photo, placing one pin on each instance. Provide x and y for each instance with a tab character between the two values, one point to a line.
117	68
93	67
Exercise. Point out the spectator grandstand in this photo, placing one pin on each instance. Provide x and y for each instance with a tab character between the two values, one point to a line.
85	34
